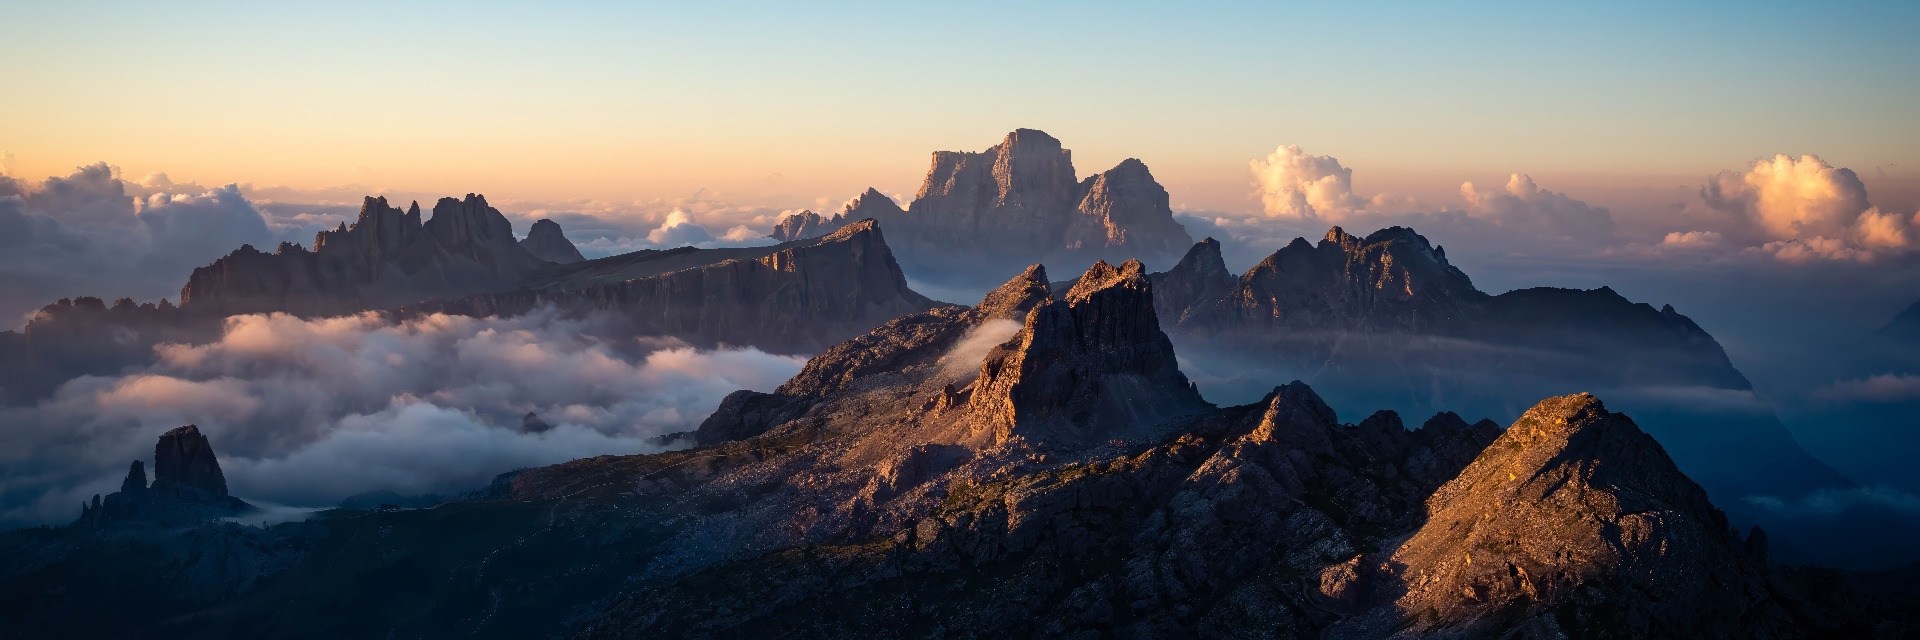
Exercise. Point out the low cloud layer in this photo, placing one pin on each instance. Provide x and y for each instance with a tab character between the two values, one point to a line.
1886	387
306	412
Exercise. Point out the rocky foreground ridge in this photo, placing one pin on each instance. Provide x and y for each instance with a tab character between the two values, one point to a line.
1032	465
1018	202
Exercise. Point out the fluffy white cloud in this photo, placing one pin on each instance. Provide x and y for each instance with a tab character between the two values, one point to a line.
1805	209
1524	204
1294	184
305	412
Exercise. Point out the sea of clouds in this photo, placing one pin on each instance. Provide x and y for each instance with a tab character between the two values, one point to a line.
305	412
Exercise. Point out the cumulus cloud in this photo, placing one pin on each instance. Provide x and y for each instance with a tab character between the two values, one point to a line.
1525	205
305	412
1294	184
1804	209
1692	239
92	233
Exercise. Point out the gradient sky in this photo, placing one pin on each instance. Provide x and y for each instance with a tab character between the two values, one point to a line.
608	100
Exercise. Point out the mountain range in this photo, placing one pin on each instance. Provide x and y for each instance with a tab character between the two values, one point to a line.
1032	465
1386	319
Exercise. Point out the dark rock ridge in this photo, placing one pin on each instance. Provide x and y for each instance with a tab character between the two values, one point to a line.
387	258
545	241
1387	319
863	498
793	297
188	487
1017	202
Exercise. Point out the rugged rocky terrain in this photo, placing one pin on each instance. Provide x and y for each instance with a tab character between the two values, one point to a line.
1032	465
387	258
1386	319
1018	202
795	297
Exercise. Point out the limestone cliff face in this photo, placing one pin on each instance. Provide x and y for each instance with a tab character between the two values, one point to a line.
547	242
1020	202
1572	496
1091	367
798	296
388	257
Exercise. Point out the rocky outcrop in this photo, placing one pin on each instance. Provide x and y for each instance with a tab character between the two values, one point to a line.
1020	202
1200	277
387	258
183	462
545	241
839	285
806	224
188	488
1089	368
1572	518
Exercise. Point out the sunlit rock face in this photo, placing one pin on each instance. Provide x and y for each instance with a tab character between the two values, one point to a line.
1089	367
547	242
1571	496
1018	202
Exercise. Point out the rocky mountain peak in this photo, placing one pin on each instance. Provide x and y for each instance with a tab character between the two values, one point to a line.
871	204
1570	496
1085	369
1018	296
545	241
188	487
136	480
468	222
183	460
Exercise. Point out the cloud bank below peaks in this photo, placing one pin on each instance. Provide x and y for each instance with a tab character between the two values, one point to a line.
305	412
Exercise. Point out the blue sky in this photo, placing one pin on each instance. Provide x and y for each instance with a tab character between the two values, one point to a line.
631	100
